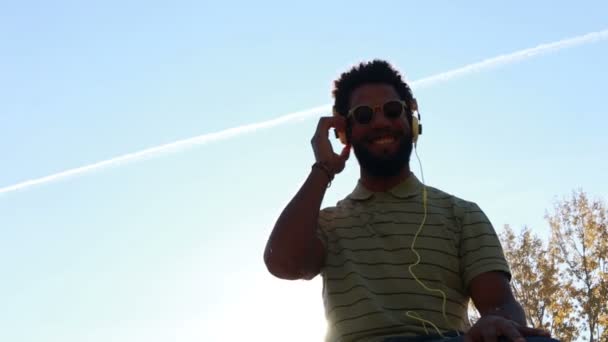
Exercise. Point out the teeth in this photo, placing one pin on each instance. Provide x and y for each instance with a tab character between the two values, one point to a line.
385	140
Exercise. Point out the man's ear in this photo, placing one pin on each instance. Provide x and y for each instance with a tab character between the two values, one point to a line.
340	134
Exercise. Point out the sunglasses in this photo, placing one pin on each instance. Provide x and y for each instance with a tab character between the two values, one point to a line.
392	110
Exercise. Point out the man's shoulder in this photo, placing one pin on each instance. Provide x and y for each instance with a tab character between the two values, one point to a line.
343	205
444	198
342	208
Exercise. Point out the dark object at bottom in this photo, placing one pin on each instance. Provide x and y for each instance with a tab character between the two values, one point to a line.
454	338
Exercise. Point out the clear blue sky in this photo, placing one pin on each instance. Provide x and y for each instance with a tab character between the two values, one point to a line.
170	248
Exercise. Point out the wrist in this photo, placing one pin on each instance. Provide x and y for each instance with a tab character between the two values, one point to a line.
323	168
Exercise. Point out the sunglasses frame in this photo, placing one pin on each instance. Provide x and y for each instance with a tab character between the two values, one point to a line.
404	110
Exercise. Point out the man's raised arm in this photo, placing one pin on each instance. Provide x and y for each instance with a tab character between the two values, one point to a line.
293	250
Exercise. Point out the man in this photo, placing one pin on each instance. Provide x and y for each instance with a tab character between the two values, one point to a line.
399	260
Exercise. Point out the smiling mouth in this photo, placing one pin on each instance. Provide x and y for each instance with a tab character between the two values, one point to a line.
384	140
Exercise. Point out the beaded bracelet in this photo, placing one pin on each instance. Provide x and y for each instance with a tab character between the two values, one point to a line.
326	169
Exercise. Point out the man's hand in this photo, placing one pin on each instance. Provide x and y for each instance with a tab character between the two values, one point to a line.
489	328
322	146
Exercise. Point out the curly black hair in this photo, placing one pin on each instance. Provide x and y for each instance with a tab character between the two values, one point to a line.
375	71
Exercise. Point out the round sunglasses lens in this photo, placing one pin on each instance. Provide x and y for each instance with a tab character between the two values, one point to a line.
363	114
393	109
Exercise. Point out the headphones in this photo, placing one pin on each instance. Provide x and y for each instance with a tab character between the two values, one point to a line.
416	125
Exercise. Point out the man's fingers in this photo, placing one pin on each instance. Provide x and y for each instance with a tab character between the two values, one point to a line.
345	153
473	335
488	333
321	136
339	123
511	331
327	122
468	338
490	328
527	331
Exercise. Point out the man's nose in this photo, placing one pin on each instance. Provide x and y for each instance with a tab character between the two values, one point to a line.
379	120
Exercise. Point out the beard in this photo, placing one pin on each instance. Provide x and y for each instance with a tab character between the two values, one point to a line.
387	165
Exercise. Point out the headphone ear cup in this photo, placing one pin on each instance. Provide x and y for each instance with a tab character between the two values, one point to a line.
415	129
416	126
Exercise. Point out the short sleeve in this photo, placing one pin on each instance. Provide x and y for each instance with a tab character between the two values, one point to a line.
324	225
480	247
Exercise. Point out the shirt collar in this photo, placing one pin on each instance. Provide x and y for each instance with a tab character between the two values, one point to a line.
407	188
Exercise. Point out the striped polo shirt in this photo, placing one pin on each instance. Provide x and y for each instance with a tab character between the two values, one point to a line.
368	290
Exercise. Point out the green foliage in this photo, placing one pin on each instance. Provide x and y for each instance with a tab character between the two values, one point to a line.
562	283
539	284
579	230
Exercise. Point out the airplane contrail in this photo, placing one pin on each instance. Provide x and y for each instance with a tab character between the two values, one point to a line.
513	57
305	114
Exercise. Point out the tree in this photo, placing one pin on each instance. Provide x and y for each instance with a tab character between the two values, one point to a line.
579	230
538	284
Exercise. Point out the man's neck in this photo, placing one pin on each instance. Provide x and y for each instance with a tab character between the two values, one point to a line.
383	184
